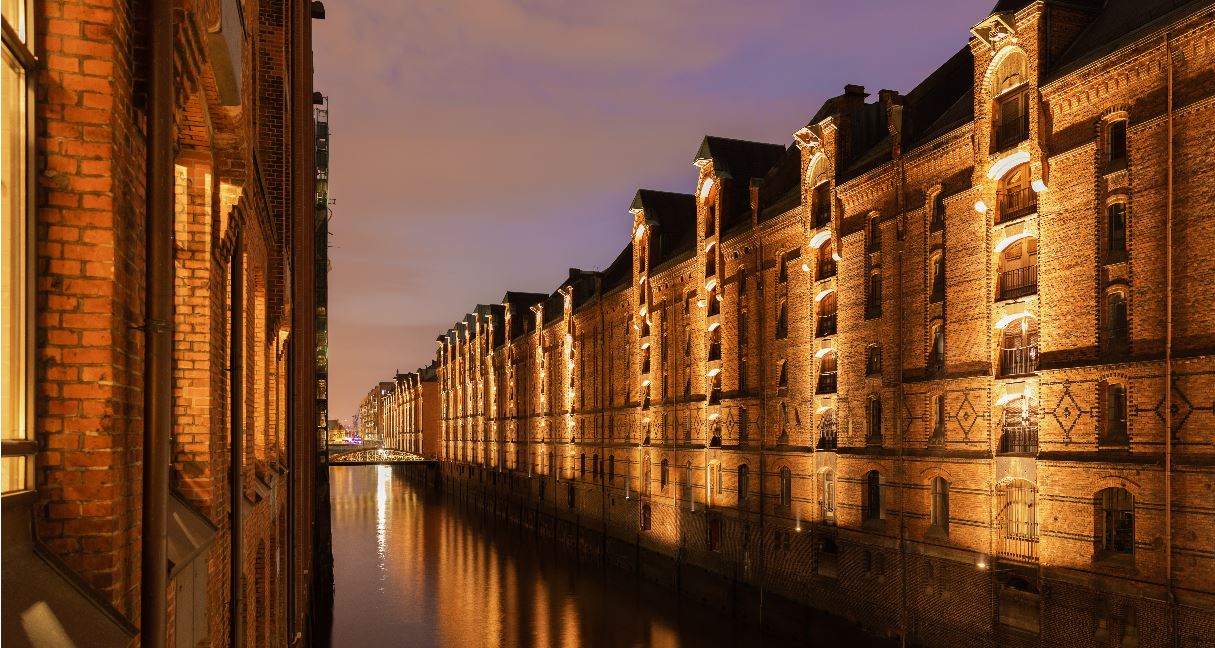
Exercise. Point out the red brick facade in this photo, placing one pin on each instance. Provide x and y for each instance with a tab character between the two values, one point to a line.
911	370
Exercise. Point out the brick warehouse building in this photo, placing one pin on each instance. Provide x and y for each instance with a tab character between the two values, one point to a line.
910	369
158	321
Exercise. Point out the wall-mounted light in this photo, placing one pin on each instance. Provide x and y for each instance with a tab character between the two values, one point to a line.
1038	186
805	267
980	206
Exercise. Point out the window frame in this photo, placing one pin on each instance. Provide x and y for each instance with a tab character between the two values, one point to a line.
939	504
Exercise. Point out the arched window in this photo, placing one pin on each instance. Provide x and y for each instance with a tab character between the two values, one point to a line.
1019	347
873	416
828	495
826	261
1117	327
782	320
873	299
715	344
826	311
873	496
936	406
664	474
827	372
1116	527
1115	232
646	475
828	434
1016	198
936	348
1019	427
938	211
1113	428
1018	269
1017	519
937	293
940	504
744	486
786	487
1116	143
822	203
1010	109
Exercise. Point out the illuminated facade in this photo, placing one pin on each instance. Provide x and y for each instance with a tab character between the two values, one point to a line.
911	369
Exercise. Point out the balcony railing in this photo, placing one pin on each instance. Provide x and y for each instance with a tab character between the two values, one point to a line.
1016	362
1016	202
826	325
826	383
1019	282
1019	439
827	437
1011	132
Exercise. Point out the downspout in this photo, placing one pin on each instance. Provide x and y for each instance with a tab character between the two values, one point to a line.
236	409
761	335
1168	357
158	327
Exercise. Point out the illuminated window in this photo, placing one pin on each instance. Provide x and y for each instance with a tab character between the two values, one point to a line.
827	372
1019	347
826	261
1017	519
822	203
1116	143
828	495
826	308
1117	521
15	413
1010	109
936	349
828	432
1016	198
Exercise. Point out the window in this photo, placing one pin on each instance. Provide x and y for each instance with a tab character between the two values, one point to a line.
711	262
782	373
873	496
782	273
1018	269
744	486
828	433
1116	528
664	474
936	349
782	320
937	409
1114	423
873	360
1115	228
16	441
1019	427
1116	323
1017	519
715	343
874	233
940	504
645	517
713	301
938	212
873	414
1010	109
1019	347
715	440
828	495
826	261
1116	142
873	300
938	278
827	372
1015	196
822	204
826	308
786	487
710	220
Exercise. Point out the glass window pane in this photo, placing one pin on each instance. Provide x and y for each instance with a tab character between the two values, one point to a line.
14	473
12	252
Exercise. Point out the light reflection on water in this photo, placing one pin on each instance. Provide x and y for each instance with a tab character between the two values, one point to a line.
411	569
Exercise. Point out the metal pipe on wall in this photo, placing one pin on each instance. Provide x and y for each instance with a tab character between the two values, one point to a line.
158	326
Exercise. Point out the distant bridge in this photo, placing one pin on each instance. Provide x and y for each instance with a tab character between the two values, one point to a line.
353	455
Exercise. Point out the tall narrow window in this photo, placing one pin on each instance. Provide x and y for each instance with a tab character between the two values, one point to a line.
828	433
782	320
1016	196
827	372
664	474
826	261
937	405
936	349
1116	323
710	220
713	302
873	360
1017	519
1018	269
875	233
786	487
1114	432
686	485
1117	143
822	204
1117	522
940	504
744	486
874	416
873	496
1115	227
611	471
19	71
937	293
646	477
1010	108
782	374
829	495
873	300
938	212
1019	347
782	273
826	308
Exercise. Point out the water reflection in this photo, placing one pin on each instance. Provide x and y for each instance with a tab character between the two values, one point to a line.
412	569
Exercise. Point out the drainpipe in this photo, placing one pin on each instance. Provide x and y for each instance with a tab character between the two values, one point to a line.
1168	358
158	327
236	409
763	420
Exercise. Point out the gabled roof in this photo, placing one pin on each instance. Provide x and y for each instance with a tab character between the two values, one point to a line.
780	189
740	161
620	273
936	104
521	304
1118	22
675	214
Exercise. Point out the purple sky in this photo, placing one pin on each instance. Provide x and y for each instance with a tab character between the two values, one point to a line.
486	145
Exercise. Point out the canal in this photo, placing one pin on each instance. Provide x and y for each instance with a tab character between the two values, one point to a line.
412	568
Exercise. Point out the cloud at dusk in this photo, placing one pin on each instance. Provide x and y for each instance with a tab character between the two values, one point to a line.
480	146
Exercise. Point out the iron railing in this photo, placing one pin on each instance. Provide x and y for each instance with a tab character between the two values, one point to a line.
1019	361
1016	202
826	325
1019	438
826	383
1019	282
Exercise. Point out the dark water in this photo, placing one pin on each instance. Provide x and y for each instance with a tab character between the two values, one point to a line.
412	568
